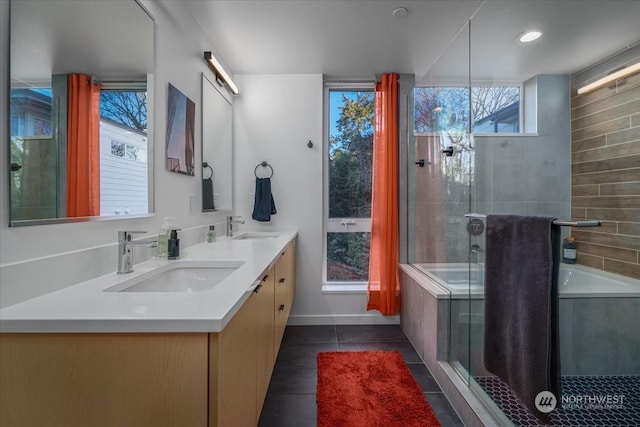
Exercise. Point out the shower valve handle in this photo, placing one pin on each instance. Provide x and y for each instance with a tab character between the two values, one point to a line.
448	151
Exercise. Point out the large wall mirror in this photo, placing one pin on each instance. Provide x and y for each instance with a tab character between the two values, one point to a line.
216	147
80	111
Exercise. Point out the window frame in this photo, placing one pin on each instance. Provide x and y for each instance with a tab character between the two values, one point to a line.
338	225
521	105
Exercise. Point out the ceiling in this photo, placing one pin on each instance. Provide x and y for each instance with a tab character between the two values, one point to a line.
361	38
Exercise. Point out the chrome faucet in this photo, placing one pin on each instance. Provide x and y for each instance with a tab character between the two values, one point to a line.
230	221
125	249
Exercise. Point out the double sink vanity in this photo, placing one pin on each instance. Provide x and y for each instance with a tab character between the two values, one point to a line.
185	342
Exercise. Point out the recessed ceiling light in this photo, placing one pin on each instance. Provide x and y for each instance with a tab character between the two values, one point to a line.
529	36
400	12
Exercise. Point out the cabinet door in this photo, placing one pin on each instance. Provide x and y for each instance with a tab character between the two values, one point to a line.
133	379
236	369
285	289
265	334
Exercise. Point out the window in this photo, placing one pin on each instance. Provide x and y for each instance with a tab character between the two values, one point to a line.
123	148
494	109
349	145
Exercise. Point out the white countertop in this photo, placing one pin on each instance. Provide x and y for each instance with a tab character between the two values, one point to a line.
84	307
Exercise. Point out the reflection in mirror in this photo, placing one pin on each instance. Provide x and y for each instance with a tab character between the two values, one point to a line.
216	147
78	111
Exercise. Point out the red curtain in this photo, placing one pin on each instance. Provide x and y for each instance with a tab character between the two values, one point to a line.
384	283
83	146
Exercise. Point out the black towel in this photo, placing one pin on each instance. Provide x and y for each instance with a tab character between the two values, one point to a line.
521	306
263	205
207	194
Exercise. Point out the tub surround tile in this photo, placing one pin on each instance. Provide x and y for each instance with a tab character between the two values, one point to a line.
630	228
626	255
623	268
589	144
627	135
621	189
608	115
625	161
625	175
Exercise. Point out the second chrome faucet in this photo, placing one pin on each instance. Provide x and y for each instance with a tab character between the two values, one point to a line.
230	221
125	249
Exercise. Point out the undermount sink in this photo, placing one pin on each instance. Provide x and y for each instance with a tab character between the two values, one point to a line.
181	276
250	235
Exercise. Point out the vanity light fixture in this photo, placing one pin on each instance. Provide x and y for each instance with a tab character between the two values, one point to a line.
216	67
620	74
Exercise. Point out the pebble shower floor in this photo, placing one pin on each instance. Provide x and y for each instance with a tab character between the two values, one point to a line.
622	414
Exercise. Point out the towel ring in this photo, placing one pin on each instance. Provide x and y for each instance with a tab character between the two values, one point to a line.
206	165
264	165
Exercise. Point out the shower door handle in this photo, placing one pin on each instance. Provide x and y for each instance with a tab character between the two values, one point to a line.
15	167
422	162
448	151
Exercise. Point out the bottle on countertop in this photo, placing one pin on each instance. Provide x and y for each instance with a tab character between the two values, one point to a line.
569	250
174	245
211	234
163	238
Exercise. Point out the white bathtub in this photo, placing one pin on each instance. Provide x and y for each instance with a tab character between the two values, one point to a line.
575	281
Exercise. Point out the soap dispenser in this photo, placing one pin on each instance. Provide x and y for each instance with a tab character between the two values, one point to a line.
174	245
569	250
163	238
211	234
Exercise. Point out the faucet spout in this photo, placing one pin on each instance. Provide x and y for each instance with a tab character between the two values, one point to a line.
125	249
230	221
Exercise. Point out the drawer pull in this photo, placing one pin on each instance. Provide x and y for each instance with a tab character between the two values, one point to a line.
257	289
266	276
281	280
281	307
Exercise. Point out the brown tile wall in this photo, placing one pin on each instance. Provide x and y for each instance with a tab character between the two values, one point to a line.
605	168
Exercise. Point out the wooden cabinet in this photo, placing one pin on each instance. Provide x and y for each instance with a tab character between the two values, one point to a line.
264	339
103	380
150	379
233	370
285	271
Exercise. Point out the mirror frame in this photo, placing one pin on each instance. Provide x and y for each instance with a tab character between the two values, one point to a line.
150	142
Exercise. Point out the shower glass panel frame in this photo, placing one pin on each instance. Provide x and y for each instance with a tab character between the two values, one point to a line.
441	183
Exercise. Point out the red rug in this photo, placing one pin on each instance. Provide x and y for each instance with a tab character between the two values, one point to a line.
369	389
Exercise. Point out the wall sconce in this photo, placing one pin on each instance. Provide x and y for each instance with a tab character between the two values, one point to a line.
620	74
221	74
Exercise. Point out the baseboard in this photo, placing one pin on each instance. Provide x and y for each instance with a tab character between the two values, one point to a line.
343	319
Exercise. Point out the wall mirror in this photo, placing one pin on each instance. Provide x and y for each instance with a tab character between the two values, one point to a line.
216	147
80	111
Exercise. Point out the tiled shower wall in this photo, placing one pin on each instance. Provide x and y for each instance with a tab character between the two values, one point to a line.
605	167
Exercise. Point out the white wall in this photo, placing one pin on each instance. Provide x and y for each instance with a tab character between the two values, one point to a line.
39	259
275	117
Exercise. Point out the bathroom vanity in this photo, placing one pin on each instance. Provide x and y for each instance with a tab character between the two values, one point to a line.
86	356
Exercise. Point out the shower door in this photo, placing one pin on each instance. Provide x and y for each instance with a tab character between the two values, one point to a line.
441	179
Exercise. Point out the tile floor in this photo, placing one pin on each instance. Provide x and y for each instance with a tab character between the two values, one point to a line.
291	399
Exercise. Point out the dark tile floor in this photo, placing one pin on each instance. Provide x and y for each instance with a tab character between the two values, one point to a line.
291	399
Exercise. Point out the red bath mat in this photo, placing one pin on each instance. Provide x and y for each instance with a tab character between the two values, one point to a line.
369	389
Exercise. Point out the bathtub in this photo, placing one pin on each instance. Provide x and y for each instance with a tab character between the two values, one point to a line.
599	315
574	281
